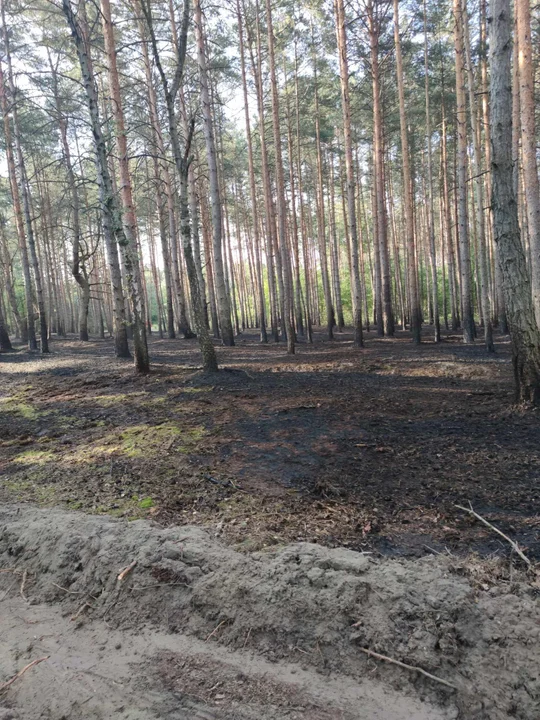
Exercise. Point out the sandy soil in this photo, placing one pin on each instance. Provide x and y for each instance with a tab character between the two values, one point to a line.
196	629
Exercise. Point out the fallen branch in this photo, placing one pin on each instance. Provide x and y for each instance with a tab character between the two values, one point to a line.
513	543
371	653
5	685
126	571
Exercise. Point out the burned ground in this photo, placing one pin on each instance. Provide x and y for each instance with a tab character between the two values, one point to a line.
371	449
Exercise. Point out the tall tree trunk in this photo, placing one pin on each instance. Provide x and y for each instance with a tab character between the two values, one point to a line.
224	308
303	228
283	249
516	283
78	268
485	302
430	209
334	246
19	220
268	203
252	186
462	218
529	142
294	221
163	184
127	239
25	192
356	290
182	162
108	209
321	225
374	26
412	272
499	313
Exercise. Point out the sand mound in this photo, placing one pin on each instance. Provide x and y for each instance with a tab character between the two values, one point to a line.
301	606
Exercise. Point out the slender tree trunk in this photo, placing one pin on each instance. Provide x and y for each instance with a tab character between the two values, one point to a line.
182	162
109	211
462	219
223	303
128	238
517	286
162	183
19	220
412	273
321	226
78	268
25	192
268	204
252	186
283	249
430	209
378	169
303	227
356	289
485	302
294	222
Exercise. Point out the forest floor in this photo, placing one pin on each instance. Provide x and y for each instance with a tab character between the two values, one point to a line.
369	449
289	513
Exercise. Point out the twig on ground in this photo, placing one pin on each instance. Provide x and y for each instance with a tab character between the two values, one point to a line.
158	585
214	631
71	592
123	573
513	544
5	685
81	610
23	583
371	653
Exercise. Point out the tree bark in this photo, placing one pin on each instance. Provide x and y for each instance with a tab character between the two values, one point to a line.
462	219
531	182
523	327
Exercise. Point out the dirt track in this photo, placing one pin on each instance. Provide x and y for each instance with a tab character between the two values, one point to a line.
198	630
